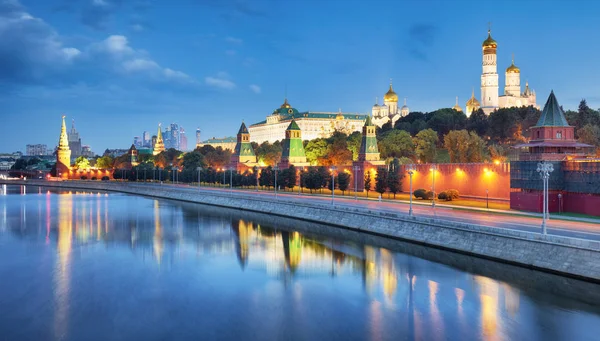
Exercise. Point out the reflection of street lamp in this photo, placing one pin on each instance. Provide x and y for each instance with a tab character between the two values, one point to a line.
433	169
410	169
487	198
199	169
545	169
276	169
356	169
332	169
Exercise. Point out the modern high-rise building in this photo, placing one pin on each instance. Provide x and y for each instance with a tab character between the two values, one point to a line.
183	143
198	140
146	140
173	138
36	149
137	141
74	141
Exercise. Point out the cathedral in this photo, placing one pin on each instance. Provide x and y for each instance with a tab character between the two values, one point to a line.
490	97
388	112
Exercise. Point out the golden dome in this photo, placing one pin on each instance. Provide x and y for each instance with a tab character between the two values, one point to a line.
390	96
513	68
473	102
285	105
456	106
489	42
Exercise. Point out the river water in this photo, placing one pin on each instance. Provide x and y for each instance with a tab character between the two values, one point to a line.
98	266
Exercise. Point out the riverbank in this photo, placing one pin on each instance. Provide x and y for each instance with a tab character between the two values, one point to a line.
577	258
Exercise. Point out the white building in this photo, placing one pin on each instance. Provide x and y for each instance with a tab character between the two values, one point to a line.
312	124
490	98
36	149
388	112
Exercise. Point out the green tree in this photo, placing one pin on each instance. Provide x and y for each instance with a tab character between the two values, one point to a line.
290	177
396	143
338	153
477	148
20	164
105	162
82	163
353	143
589	134
478	122
367	182
464	147
417	126
269	153
266	177
394	177
315	150
193	160
425	142
381	180
444	120
343	180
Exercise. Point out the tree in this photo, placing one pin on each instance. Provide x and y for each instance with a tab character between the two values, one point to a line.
193	160
478	122
498	153
394	177
343	180
312	179
417	126
444	120
289	177
367	182
338	153
396	143
266	177
105	162
315	150
589	134
353	142
381	180
425	142
464	147
502	125
20	164
269	154
82	163
477	148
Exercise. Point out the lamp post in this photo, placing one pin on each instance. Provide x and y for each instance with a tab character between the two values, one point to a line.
559	202
410	169
545	169
199	169
299	180
332	169
160	174
223	175
145	178
356	169
230	179
276	169
487	198
174	169
433	169
256	169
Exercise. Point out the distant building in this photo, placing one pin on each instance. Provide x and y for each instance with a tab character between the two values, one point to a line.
159	146
312	124
183	143
137	141
36	149
198	140
87	151
388	112
224	142
74	141
115	152
146	140
243	155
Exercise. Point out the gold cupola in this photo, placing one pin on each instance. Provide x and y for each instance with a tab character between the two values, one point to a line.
489	42
390	96
285	105
513	68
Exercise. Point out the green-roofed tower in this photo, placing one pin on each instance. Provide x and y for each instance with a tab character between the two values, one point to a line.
368	146
293	149
243	152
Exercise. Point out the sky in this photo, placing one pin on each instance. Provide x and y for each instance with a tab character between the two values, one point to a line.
121	67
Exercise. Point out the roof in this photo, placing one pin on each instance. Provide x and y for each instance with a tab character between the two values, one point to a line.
243	129
283	117
552	115
368	121
221	140
293	126
553	143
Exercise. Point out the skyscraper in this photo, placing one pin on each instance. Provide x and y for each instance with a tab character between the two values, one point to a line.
146	140
198	140
137	142
183	143
74	141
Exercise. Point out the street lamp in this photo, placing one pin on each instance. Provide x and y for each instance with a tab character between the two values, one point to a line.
230	179
199	169
545	168
174	169
224	170
487	198
433	169
356	169
160	174
256	170
276	169
332	169
299	180
410	169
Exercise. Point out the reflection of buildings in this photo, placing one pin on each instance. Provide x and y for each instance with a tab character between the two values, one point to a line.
62	272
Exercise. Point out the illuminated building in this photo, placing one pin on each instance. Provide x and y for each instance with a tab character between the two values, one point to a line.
388	112
243	155
223	142
198	140
313	124
36	149
63	153
159	145
472	104
512	97
574	185
368	155
74	141
292	148
183	142
456	106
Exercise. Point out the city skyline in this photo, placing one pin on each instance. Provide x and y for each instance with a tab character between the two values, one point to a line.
111	66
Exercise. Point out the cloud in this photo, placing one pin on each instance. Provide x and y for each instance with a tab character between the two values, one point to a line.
420	38
97	13
221	81
255	88
140	65
234	40
137	27
29	48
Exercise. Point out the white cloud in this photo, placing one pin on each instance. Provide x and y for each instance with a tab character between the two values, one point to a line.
137	27
234	40
116	44
71	52
255	88
176	74
219	82
139	64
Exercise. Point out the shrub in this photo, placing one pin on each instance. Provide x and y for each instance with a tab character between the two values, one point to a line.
430	195
83	177
420	193
453	194
444	196
94	178
105	178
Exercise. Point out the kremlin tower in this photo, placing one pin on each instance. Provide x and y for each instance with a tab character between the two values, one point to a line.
159	146
63	153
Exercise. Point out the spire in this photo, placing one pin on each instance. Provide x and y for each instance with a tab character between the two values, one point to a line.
63	142
552	115
73	124
243	129
368	122
405	101
456	100
472	92
159	134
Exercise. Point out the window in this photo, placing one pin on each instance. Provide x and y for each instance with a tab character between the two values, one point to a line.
538	134
559	135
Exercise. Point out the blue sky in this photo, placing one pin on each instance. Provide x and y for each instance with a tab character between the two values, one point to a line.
119	67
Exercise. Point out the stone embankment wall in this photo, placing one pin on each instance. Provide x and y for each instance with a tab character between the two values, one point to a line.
572	257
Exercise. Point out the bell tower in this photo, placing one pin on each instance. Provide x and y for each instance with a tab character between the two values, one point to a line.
63	153
489	75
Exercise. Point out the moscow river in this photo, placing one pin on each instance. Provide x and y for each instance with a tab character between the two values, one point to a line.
98	266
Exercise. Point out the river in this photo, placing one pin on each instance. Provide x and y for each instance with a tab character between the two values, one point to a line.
80	265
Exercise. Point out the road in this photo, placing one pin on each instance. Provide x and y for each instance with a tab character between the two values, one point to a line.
498	219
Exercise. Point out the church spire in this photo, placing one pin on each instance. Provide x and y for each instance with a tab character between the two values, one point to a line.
63	142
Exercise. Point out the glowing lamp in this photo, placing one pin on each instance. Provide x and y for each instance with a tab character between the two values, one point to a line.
497	162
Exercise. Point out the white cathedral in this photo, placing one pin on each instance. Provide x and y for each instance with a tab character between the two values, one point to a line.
388	112
490	98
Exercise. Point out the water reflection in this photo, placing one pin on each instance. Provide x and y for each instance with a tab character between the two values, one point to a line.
191	253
